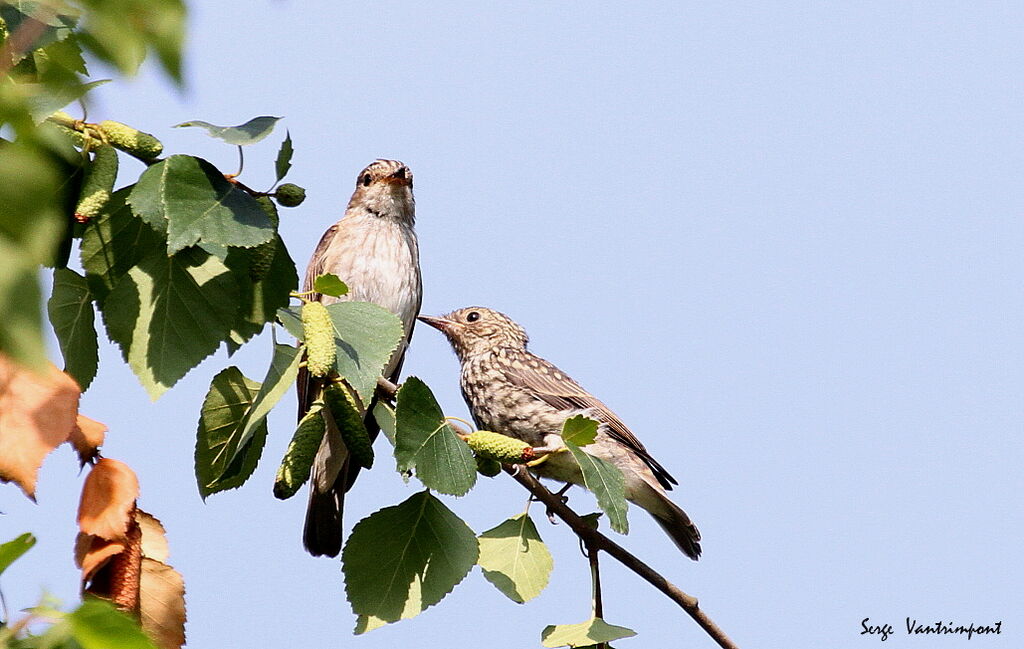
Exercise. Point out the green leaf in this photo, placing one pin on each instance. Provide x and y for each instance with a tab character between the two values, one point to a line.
385	416
169	313
251	132
284	367
515	559
190	200
369	335
329	284
73	319
591	632
402	559
30	209
12	550
121	32
579	430
21	335
366	335
366	623
221	421
34	230
260	301
424	440
56	97
601	477
66	54
166	33
98	625
607	484
284	157
114	242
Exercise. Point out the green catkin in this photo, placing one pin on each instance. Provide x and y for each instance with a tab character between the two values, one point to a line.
262	256
298	459
98	184
290	195
131	140
495	446
318	333
347	416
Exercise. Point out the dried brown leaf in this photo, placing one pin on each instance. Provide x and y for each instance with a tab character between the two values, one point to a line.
37	413
108	500
162	604
154	536
92	553
119	577
87	437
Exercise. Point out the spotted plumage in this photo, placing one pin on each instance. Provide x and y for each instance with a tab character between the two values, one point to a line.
514	392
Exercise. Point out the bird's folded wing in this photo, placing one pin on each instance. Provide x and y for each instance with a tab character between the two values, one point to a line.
318	261
560	391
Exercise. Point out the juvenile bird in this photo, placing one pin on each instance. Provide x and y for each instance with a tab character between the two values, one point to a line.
372	249
511	391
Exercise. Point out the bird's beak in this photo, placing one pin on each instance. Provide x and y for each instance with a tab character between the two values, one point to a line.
400	177
441	324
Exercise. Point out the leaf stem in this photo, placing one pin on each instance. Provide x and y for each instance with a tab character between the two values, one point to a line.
595	579
303	296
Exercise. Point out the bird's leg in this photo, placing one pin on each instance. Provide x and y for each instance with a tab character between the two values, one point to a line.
560	494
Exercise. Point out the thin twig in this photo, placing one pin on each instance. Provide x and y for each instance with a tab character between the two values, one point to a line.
595	579
597	606
594	539
3	606
387	388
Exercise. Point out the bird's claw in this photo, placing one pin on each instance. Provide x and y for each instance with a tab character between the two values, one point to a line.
560	494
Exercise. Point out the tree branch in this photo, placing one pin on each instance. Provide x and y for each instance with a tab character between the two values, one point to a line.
596	540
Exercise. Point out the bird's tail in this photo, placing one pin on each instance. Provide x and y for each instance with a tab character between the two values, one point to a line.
322	532
682	530
672	519
331	476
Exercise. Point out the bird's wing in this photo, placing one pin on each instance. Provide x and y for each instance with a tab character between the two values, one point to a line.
557	389
318	260
305	384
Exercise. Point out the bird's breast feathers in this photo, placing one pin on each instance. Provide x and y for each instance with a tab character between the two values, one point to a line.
379	260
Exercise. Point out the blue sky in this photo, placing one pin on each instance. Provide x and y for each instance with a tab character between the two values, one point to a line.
781	240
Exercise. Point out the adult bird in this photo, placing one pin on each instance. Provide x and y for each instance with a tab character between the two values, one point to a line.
372	249
514	392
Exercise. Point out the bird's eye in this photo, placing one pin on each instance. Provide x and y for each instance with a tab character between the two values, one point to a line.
367	180
472	316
